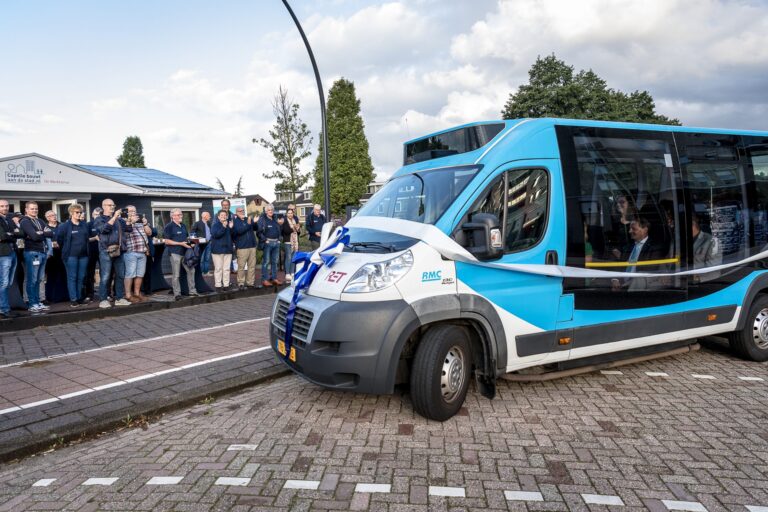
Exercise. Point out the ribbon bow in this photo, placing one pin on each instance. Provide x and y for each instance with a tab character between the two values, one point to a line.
326	255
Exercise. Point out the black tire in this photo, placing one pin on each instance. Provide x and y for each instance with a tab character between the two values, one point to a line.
441	371
751	342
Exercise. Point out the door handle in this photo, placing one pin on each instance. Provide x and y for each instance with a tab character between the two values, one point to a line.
550	258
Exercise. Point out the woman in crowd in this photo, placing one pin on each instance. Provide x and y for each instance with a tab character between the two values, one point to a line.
72	236
221	249
290	231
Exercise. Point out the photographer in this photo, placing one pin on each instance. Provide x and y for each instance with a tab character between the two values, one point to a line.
93	254
9	232
36	233
111	229
135	257
176	240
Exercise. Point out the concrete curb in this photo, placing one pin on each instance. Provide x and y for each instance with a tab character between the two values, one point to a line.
22	323
108	409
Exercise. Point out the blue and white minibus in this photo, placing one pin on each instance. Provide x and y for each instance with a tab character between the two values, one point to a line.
530	246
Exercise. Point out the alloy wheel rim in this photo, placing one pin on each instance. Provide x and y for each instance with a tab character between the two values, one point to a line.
760	329
452	375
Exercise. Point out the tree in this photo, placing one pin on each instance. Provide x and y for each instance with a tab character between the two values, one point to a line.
553	90
289	144
350	164
239	188
133	153
220	185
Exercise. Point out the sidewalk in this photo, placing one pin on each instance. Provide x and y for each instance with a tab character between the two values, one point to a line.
86	387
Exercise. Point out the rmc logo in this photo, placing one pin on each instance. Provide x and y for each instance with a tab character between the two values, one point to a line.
432	275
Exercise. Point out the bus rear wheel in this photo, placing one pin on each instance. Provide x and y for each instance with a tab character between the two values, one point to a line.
441	371
751	342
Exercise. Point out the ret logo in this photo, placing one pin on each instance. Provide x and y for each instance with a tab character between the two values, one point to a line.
432	275
335	277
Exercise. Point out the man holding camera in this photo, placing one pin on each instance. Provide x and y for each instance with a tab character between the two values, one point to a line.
176	240
135	257
112	232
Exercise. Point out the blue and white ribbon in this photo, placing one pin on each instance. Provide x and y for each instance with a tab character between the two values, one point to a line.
449	249
330	248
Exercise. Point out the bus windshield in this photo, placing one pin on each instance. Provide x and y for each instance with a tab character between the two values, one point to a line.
421	196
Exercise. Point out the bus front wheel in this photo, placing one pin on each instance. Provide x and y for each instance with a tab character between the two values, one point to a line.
751	342
441	371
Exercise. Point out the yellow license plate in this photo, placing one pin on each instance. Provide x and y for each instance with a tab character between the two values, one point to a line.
282	350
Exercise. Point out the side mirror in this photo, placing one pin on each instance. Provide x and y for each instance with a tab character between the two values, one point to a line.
483	235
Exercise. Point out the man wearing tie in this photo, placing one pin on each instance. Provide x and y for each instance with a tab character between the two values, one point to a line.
642	248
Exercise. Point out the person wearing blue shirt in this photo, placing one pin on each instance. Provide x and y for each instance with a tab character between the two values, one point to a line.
176	235
111	229
35	234
314	225
221	249
245	247
270	233
72	237
93	254
202	229
9	232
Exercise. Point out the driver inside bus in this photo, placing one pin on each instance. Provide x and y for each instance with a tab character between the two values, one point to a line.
642	248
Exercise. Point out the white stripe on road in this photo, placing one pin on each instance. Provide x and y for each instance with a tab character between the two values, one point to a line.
611	372
310	485
100	481
691	506
135	342
45	482
239	482
602	499
455	492
753	508
700	376
523	496
373	488
242	447
133	379
756	379
656	374
164	480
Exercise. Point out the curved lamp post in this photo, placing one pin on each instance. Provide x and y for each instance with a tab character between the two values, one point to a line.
326	179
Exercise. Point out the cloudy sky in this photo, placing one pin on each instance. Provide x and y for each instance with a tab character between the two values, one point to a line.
194	79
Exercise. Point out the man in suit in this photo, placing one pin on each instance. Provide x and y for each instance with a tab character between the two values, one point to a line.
642	248
202	229
706	250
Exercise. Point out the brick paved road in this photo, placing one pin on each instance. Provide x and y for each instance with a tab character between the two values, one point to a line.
682	433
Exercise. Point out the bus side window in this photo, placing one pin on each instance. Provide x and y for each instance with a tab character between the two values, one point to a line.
527	205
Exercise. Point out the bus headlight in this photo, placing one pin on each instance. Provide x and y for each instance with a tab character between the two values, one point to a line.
377	276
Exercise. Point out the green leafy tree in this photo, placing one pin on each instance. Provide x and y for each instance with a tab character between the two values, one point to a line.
289	142
133	153
554	90
350	164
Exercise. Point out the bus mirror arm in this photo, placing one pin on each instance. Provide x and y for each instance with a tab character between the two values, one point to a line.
484	236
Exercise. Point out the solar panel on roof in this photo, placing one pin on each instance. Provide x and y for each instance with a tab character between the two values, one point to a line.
151	178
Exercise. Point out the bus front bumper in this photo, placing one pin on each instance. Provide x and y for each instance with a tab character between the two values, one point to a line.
351	346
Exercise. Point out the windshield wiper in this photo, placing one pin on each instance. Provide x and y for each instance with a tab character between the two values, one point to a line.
377	245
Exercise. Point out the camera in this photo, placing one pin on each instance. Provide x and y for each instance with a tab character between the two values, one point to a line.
124	213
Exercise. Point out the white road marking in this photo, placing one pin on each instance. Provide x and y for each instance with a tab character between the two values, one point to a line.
755	379
602	499
700	376
691	506
100	481
242	447
523	496
611	372
373	488
164	480
135	342
227	480
752	508
45	482
133	379
455	492
311	485
657	374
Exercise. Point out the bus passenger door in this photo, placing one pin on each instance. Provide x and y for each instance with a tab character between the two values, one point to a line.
526	197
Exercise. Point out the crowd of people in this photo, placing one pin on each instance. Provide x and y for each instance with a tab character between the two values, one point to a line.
119	242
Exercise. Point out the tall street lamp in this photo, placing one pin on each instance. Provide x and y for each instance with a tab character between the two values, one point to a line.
326	179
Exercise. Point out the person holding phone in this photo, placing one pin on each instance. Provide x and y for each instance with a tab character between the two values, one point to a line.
221	249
